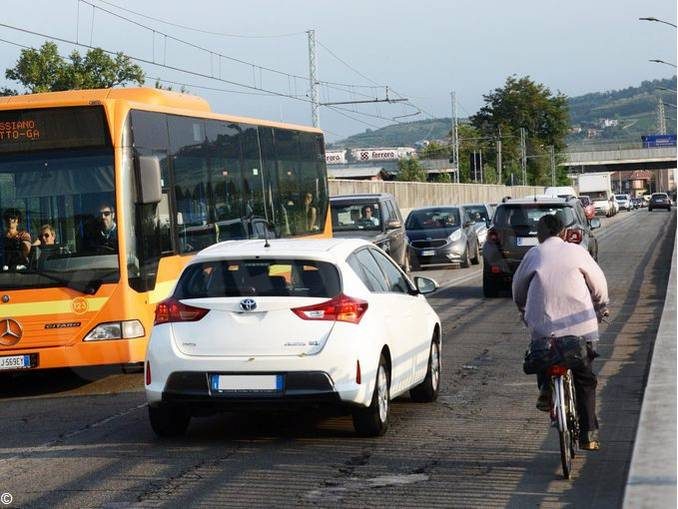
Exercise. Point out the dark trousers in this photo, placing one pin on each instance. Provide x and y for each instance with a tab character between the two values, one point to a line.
585	383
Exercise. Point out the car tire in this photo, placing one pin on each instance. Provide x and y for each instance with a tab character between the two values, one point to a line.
169	420
465	259
427	390
373	420
490	288
476	259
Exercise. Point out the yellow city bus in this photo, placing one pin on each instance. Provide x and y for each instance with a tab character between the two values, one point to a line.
130	183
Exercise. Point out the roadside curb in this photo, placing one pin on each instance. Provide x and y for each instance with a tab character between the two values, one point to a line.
651	482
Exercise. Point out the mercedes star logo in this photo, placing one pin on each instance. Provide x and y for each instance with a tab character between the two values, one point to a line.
10	332
248	305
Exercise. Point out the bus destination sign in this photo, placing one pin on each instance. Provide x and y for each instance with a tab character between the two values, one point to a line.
23	129
53	128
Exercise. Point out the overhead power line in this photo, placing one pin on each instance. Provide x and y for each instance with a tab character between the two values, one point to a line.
150	62
198	30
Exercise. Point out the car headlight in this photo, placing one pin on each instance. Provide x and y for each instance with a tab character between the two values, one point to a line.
455	235
127	329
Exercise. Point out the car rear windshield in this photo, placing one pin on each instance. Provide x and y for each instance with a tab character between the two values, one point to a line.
259	277
524	218
622	197
429	219
660	195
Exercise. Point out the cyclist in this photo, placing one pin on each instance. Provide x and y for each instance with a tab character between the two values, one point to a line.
561	291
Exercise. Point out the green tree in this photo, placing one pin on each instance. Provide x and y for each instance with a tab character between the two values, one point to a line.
524	103
435	150
411	170
44	70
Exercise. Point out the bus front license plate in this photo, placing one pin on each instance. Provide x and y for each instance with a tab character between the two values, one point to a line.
15	362
246	383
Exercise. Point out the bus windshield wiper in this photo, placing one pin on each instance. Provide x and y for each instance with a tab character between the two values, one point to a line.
87	287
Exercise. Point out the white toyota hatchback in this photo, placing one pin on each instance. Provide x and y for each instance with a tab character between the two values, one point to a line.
332	321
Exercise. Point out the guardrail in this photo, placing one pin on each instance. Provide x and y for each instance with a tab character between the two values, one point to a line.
652	475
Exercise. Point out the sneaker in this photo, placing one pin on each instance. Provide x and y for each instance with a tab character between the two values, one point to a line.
544	400
589	441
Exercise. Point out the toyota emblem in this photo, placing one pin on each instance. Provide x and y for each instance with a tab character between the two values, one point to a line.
248	305
10	332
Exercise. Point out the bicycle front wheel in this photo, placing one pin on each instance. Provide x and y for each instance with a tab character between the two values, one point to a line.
564	435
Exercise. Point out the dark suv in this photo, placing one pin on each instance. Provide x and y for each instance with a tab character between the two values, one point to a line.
514	231
374	217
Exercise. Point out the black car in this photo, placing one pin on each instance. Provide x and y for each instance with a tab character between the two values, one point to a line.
659	201
442	234
374	217
514	231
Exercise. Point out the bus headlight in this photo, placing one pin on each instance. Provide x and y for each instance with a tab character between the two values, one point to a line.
127	329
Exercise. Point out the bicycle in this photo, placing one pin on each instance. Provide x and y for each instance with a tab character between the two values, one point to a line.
564	414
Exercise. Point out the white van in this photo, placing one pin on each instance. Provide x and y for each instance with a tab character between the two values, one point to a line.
561	191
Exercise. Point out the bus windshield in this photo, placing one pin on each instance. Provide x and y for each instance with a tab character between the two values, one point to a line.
59	222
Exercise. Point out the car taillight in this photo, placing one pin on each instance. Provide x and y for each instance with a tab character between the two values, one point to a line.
341	308
492	236
171	310
573	235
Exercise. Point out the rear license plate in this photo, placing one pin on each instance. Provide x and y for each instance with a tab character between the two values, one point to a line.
16	362
428	252
246	383
527	241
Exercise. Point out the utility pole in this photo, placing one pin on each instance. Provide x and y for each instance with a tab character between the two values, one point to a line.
523	155
661	118
312	76
552	157
455	135
499	157
482	179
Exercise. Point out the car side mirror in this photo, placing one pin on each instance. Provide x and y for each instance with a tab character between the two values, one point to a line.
487	222
149	189
425	284
595	223
393	224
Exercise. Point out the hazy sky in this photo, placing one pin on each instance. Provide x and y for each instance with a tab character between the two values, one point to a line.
421	49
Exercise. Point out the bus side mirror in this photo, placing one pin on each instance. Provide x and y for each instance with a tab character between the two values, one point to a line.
150	187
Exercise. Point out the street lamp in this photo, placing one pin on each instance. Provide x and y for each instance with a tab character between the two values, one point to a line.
663	62
658	21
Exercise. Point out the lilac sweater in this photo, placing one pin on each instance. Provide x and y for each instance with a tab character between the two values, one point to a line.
560	287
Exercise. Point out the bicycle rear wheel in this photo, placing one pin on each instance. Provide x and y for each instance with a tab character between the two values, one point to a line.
572	415
564	435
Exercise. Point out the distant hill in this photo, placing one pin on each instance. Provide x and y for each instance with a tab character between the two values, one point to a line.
405	134
633	110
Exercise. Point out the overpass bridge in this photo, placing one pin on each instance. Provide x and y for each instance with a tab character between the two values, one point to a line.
618	157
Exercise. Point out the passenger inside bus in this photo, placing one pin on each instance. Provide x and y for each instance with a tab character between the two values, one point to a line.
16	242
103	236
44	247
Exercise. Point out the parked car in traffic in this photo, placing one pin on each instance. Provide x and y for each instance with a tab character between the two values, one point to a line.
587	204
514	231
481	215
291	323
659	201
624	201
442	235
374	217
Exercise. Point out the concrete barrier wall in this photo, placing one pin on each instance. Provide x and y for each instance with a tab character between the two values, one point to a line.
412	195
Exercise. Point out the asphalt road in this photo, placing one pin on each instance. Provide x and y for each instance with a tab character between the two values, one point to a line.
81	438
